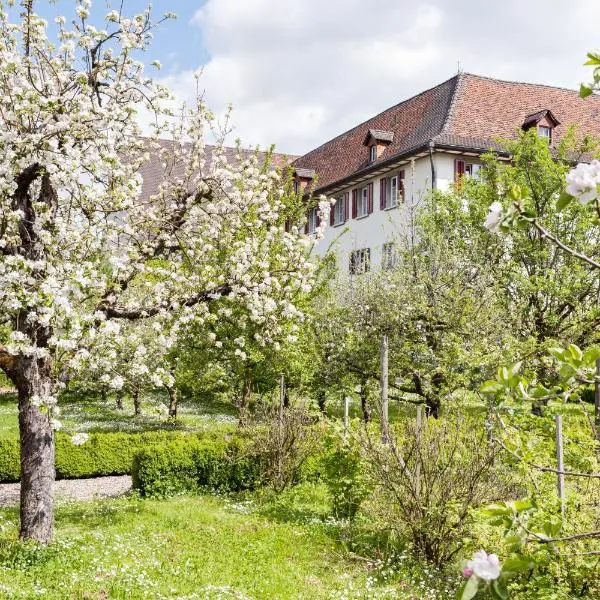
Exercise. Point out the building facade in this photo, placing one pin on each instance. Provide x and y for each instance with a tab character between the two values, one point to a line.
380	170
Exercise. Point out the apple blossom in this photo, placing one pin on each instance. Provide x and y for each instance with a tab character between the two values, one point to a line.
583	181
494	217
79	439
485	566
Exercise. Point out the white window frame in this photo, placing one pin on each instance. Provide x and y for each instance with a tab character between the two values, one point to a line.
338	211
545	128
312	219
373	153
391	192
362	202
473	170
388	256
360	261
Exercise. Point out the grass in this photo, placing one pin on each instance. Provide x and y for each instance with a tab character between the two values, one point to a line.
91	414
202	547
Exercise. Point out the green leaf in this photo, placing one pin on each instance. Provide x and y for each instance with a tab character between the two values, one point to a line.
539	391
468	589
558	353
496	510
491	387
563	201
576	352
591	355
585	90
517	564
498	589
514	369
593	59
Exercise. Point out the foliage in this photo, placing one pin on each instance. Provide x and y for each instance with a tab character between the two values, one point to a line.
284	439
430	478
191	464
346	477
103	453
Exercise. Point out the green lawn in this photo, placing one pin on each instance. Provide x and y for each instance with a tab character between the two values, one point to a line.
202	547
94	415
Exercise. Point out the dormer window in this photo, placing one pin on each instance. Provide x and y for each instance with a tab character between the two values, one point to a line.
373	153
545	132
302	179
377	141
544	122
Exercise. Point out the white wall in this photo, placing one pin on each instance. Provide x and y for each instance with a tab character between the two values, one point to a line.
383	226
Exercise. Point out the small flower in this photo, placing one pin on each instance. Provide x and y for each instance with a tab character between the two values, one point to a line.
79	439
494	217
485	566
467	572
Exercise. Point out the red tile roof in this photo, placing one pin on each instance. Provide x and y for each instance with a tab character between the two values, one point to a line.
465	112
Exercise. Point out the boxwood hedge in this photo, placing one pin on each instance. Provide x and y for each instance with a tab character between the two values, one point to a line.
102	454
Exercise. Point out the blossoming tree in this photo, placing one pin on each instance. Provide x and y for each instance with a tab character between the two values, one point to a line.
81	251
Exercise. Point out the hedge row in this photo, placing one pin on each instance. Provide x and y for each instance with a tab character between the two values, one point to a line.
191	465
102	454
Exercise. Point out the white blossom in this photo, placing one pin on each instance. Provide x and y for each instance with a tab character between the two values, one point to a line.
79	439
583	181
485	566
494	217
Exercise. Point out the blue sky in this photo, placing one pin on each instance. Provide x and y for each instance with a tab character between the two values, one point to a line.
298	72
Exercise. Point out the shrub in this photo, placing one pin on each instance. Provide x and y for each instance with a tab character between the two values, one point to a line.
103	454
190	465
345	477
431	481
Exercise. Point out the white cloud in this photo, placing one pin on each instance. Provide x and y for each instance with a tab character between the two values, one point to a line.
299	73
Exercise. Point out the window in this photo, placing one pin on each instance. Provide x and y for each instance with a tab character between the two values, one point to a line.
390	190
373	153
339	210
297	186
362	207
545	132
313	218
388	256
360	261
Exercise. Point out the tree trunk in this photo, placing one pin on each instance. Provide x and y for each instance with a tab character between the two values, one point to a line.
173	398
244	404
321	400
103	395
32	379
364	403
432	407
137	405
119	400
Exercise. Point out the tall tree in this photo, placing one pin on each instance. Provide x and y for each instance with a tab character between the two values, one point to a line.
80	249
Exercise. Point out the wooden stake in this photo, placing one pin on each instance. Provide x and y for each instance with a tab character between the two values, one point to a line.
418	453
385	428
560	463
597	395
346	412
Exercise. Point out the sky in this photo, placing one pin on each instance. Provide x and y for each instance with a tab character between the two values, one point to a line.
299	72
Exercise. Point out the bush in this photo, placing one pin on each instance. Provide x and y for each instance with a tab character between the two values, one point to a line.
103	454
346	479
191	465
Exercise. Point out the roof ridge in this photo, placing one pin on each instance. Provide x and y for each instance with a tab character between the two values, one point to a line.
527	83
450	111
375	116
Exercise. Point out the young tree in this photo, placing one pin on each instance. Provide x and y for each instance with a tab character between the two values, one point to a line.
81	251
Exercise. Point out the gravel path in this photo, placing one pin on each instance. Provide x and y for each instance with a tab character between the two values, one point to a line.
74	489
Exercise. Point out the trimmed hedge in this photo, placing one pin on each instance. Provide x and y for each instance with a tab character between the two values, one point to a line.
192	465
102	454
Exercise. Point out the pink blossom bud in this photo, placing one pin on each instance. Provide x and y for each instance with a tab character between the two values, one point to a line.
467	572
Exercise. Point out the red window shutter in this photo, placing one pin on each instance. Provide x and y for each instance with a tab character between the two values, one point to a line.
459	169
346	207
401	185
382	186
354	203
369	198
332	212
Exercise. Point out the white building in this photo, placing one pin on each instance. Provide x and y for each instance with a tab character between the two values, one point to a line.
381	168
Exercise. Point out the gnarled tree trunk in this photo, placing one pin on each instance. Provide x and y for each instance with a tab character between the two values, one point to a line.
137	405
173	400
33	381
